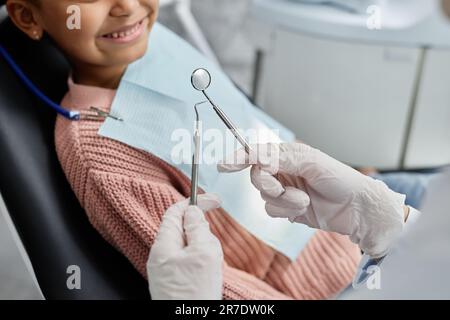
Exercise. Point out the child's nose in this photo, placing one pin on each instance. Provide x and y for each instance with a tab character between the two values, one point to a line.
124	7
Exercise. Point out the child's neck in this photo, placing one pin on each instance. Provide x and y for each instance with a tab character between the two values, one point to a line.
104	77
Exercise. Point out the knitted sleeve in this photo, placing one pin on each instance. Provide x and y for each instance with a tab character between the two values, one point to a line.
127	212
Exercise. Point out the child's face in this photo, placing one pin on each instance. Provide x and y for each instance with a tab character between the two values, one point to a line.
112	32
110	35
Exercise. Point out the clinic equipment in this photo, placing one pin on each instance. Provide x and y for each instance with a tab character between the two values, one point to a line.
104	114
201	79
195	157
156	98
69	114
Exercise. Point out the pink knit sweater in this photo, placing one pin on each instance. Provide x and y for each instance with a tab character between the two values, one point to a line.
126	191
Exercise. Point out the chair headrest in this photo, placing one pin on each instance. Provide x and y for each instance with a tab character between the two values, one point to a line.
40	60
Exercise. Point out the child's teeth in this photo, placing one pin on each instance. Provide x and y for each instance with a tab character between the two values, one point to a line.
122	34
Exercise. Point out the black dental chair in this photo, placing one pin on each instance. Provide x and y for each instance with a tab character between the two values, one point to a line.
50	222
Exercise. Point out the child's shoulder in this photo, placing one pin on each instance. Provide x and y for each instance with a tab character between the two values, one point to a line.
78	144
78	141
74	138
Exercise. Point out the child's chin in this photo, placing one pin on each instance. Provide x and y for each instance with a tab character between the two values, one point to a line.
139	55
132	56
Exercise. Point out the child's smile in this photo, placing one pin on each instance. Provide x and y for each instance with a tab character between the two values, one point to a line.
126	34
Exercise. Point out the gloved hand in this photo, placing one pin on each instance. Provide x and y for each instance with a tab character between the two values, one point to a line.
329	195
185	262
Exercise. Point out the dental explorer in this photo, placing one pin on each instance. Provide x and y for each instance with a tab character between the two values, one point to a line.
195	157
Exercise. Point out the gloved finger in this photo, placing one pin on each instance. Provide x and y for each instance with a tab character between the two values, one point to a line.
170	237
197	227
208	201
279	212
311	164
171	232
265	155
237	161
292	198
266	182
300	219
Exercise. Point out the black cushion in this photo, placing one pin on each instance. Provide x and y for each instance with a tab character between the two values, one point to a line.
53	227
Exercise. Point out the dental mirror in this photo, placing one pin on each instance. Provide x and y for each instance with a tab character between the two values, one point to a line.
201	79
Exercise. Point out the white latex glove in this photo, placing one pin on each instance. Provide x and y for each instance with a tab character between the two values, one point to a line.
329	195
185	262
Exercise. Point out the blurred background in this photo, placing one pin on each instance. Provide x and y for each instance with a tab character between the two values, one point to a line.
365	81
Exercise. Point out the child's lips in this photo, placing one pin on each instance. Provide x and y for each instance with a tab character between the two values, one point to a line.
126	34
